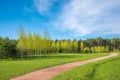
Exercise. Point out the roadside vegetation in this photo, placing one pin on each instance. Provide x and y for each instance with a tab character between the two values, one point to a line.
101	70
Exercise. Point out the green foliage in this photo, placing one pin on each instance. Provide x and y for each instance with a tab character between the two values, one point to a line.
81	46
29	43
21	41
7	48
86	50
75	46
99	49
35	45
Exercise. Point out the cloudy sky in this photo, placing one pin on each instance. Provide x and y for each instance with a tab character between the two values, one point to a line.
63	19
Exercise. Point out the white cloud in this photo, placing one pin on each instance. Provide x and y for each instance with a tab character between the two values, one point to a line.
43	6
82	17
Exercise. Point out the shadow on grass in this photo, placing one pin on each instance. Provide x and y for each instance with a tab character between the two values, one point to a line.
52	56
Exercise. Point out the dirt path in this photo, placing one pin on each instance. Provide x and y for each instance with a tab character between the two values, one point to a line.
47	73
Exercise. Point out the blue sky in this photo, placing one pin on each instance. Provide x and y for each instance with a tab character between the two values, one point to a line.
63	19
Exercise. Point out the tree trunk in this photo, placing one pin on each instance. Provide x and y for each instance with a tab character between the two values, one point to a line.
21	54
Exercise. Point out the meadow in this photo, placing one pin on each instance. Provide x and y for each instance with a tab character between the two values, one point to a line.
13	68
108	69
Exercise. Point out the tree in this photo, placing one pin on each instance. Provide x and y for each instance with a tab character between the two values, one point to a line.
46	42
81	46
4	49
90	42
99	41
29	43
52	47
69	45
86	50
37	43
57	45
8	48
21	41
75	45
106	49
115	42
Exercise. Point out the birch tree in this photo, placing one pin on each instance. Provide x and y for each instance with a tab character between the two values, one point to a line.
21	41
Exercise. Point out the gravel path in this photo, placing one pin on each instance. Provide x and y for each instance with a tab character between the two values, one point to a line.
47	73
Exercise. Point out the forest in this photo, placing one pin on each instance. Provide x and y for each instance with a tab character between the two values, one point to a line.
35	45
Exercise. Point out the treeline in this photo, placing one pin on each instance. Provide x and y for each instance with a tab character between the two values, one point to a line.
32	45
35	44
8	48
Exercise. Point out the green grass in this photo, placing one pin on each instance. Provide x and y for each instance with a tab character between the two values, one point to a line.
108	69
13	68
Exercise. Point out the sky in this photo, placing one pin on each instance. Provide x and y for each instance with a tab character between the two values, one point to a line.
63	19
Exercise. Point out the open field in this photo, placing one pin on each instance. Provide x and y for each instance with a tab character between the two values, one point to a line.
13	68
108	69
59	40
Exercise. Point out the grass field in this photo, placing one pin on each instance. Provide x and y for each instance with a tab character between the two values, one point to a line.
13	68
108	69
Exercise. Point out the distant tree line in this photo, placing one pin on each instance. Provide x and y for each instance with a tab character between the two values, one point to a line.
8	48
32	45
